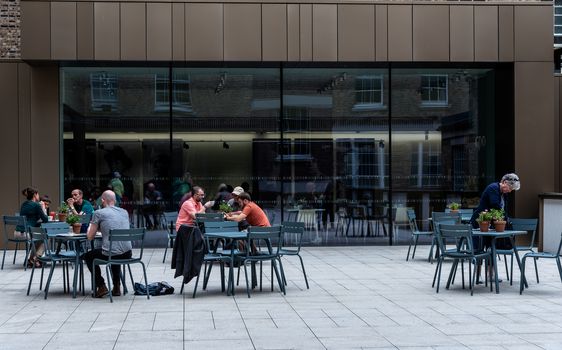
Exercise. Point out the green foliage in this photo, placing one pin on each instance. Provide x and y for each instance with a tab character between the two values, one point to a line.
73	219
454	206
63	208
497	214
484	216
224	207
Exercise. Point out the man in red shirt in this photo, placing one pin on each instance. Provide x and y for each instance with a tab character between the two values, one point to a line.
190	207
251	212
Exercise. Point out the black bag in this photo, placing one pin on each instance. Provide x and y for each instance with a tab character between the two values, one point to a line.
154	289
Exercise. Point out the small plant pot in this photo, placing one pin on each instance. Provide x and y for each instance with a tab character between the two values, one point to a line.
454	210
499	226
76	228
62	217
484	226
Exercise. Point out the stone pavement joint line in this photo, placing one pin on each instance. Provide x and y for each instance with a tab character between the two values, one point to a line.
359	298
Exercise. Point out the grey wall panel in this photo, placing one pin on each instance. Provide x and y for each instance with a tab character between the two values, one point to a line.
293	32
462	33
178	32
324	32
274	41
9	139
533	33
45	121
430	32
158	32
534	120
242	32
557	132
106	31
505	27
381	32
63	30
306	32
356	32
35	30
399	32
24	126
204	32
486	33
133	31
85	31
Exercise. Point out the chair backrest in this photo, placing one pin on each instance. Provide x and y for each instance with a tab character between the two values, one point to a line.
127	235
460	234
291	228
466	214
54	228
221	226
170	218
208	217
412	220
270	236
39	234
439	216
529	225
11	223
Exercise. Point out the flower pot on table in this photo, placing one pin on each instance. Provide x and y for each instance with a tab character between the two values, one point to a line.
484	226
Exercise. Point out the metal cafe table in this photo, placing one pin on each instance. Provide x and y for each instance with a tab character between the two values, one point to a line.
495	235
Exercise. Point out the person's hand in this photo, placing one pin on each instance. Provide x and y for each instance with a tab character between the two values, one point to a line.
43	206
70	202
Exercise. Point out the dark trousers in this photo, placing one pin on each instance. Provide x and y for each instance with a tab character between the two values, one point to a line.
115	269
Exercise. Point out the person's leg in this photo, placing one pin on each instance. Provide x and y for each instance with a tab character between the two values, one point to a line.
89	260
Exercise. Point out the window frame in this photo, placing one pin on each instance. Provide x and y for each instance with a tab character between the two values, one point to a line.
430	88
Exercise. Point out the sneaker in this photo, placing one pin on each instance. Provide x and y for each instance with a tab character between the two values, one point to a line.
101	291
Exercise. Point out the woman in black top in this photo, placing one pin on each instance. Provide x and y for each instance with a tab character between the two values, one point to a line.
34	211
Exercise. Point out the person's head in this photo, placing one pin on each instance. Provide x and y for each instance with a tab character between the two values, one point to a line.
222	188
198	194
31	194
45	199
108	198
151	187
77	195
236	192
116	174
244	198
510	182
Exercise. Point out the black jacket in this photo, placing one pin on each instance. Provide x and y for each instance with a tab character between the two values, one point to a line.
188	254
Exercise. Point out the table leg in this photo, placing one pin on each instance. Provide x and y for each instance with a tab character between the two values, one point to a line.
512	239
74	280
495	263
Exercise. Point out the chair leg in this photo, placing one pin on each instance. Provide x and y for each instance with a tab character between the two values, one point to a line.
451	273
30	279
27	250
222	276
145	279
559	267
439	264
165	251
110	280
4	257
415	246
536	269
303	271
430	257
409	247
47	285
435	274
41	280
511	273
521	285
247	282
281	285
16	253
506	268
195	287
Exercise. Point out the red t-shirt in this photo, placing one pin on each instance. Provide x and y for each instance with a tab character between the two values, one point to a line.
255	215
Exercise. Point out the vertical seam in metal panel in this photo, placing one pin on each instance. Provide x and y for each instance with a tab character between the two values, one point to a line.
286	36
411	34
145	31
473	33
120	31
498	33
387	34
337	32
261	31
374	32
449	32
312	33
76	28
50	33
222	7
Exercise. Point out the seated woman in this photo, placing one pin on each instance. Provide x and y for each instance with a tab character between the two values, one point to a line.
34	211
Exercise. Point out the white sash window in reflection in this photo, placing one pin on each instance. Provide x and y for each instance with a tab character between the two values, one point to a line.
103	87
368	92
434	90
181	93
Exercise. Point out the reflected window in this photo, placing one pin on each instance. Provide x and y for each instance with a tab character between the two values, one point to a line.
103	87
426	168
181	94
434	90
368	91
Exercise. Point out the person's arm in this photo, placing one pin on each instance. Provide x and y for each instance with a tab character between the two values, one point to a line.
237	217
42	212
92	230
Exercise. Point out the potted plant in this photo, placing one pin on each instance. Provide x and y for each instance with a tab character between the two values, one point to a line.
454	207
483	220
74	221
498	218
225	207
63	211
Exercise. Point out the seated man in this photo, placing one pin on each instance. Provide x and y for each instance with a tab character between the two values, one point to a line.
190	207
251	212
79	206
152	206
108	218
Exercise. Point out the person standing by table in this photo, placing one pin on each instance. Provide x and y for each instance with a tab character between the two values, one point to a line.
495	197
110	217
251	212
35	213
190	207
79	206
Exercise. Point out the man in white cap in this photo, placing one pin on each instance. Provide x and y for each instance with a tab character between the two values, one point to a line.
233	202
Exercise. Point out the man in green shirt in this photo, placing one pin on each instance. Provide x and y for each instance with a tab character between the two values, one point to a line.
79	206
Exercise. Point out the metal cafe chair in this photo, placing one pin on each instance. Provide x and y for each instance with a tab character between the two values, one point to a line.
529	225
122	235
10	225
170	218
293	229
540	255
416	233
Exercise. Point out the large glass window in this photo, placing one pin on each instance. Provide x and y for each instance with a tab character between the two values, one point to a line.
346	149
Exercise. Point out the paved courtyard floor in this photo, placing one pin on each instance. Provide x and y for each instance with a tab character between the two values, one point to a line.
359	298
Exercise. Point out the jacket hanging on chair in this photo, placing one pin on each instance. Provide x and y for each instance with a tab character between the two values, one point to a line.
188	254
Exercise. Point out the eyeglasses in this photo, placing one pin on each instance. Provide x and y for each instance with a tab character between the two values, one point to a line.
201	195
75	194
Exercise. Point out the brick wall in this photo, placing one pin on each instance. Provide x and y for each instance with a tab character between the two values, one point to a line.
9	29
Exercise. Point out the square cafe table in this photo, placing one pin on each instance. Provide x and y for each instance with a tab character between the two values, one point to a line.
495	235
